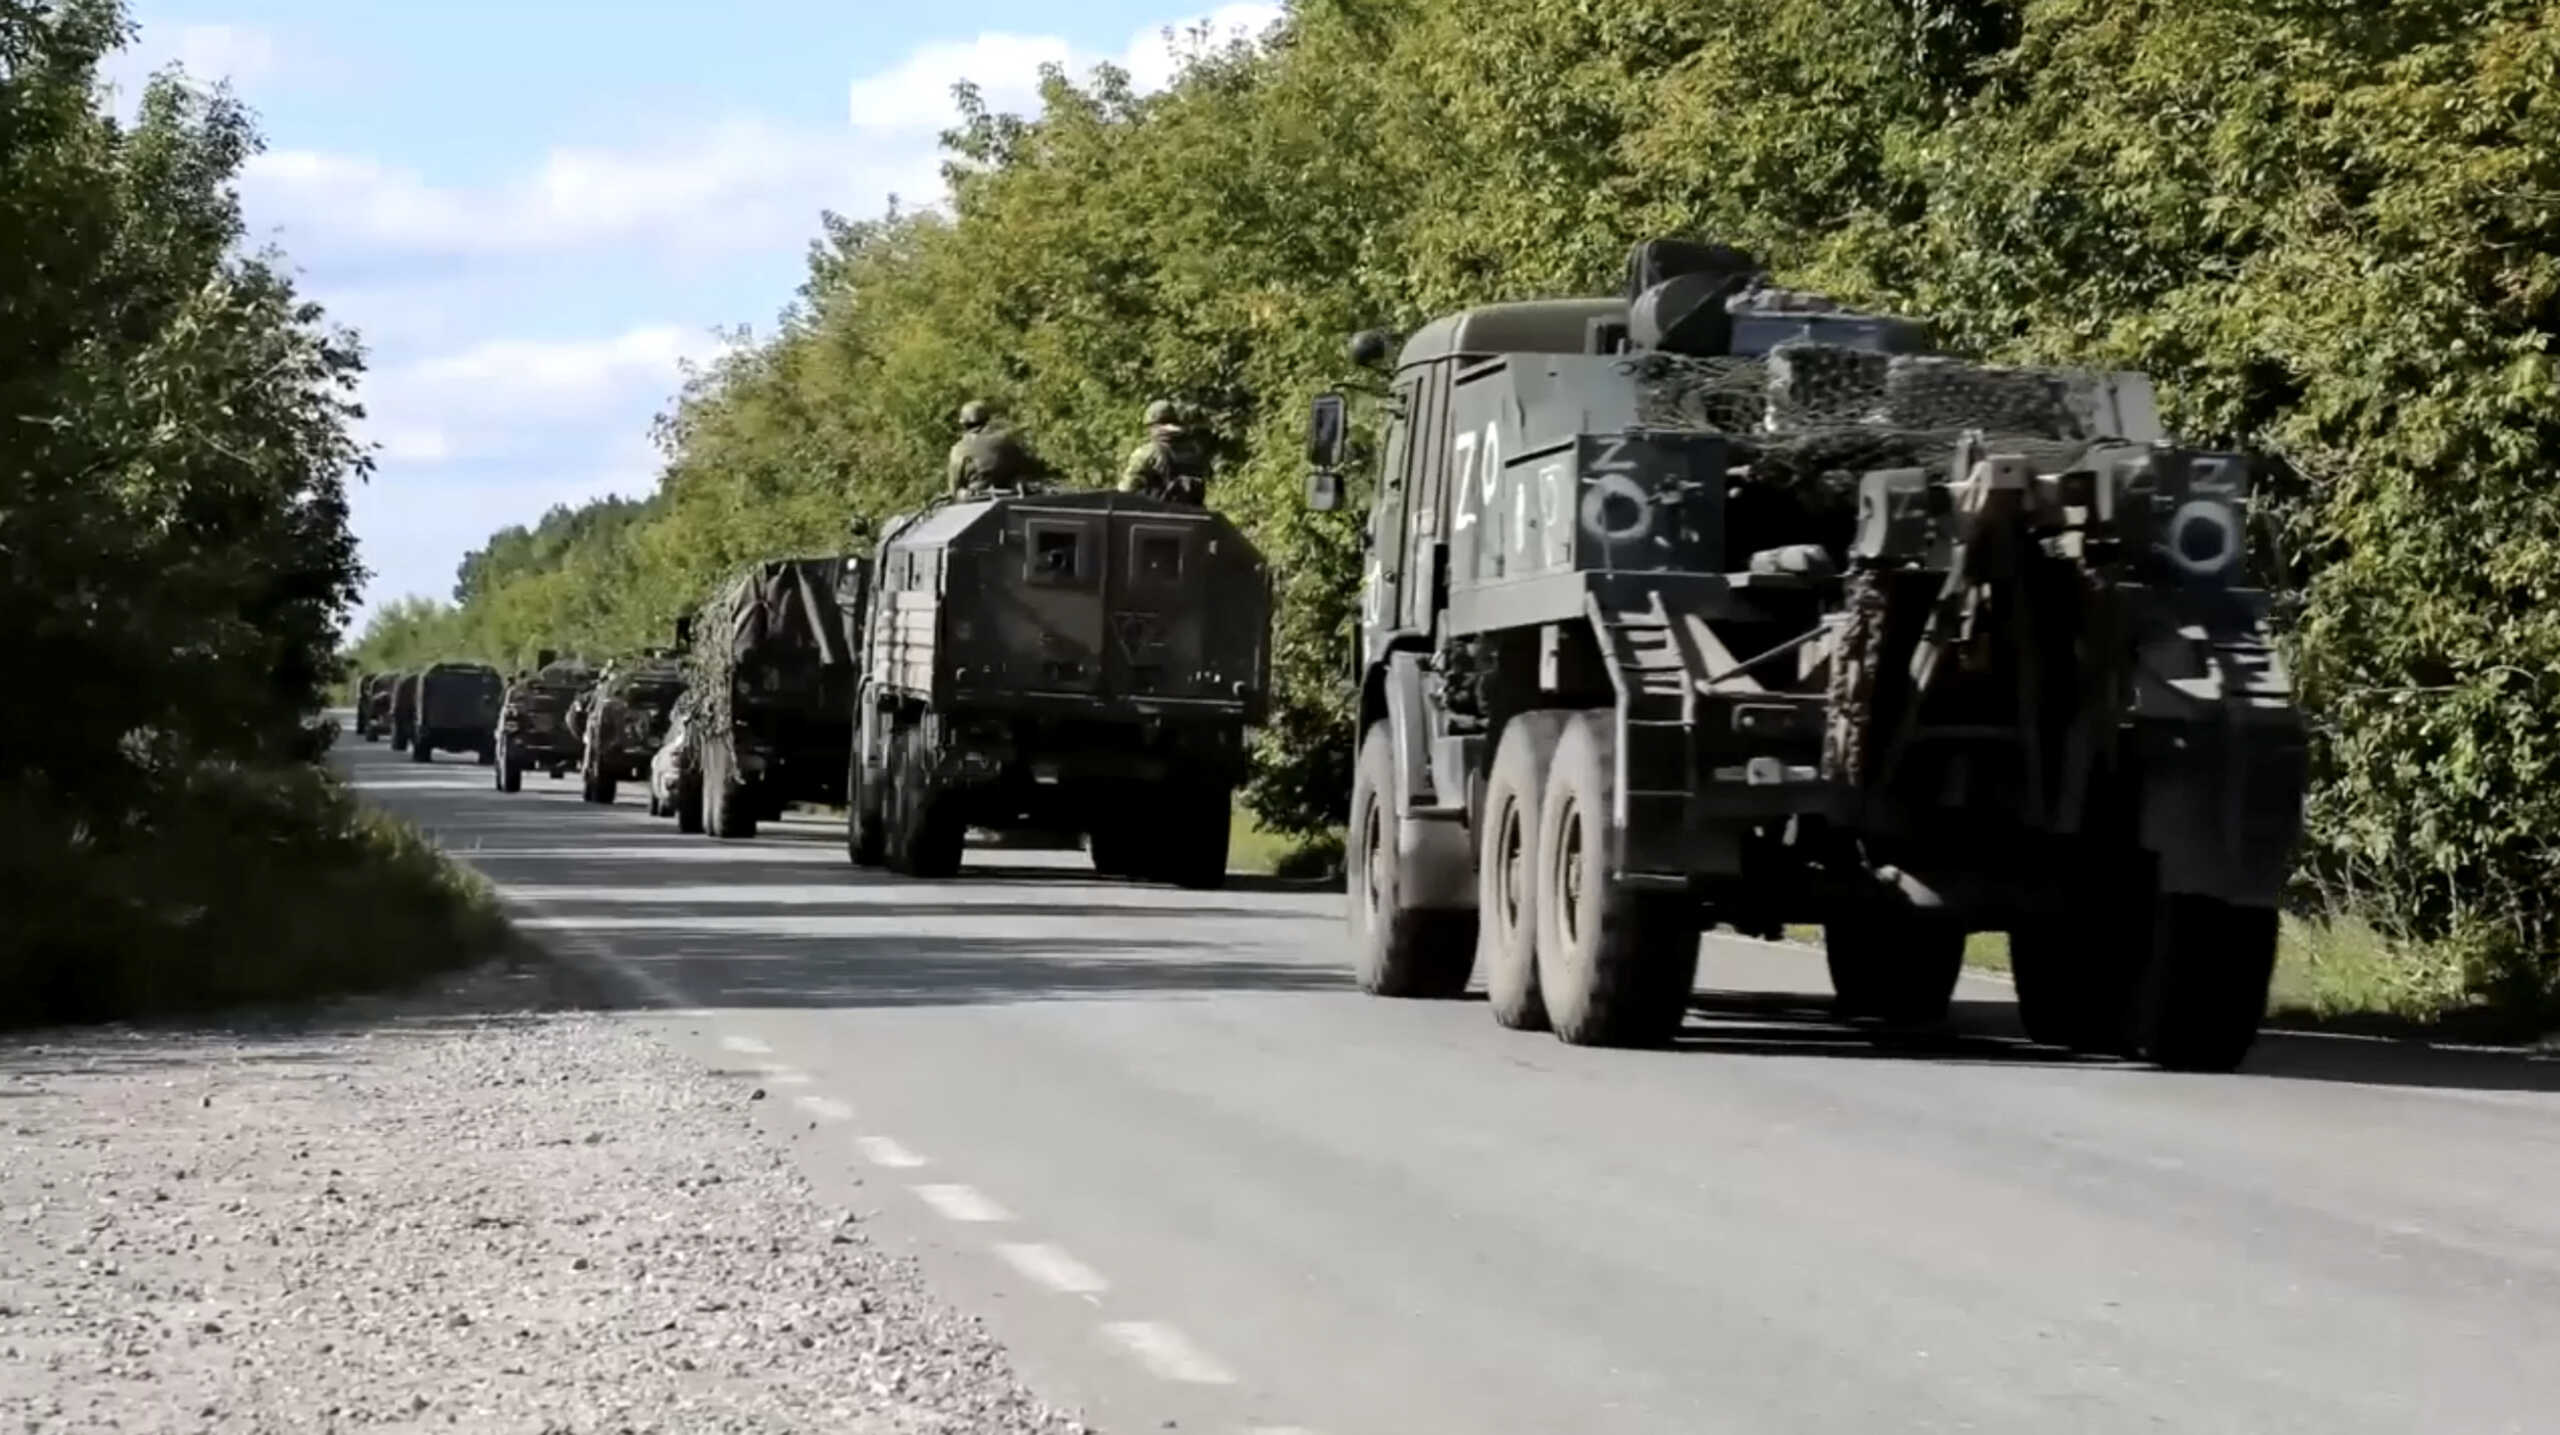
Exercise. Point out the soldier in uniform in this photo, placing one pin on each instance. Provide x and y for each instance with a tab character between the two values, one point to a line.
1172	464
989	454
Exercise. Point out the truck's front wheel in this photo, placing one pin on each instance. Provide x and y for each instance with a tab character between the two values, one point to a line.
1615	966
510	768
689	803
1507	868
865	843
1193	851
2206	990
1399	951
726	811
924	840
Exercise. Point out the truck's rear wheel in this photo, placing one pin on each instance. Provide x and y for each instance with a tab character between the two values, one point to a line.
422	749
1615	967
865	843
606	788
726	810
2076	979
1894	964
1113	846
2205	992
1192	852
924	837
689	803
1399	951
510	770
1507	868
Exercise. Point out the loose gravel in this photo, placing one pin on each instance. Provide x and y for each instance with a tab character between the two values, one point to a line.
475	1209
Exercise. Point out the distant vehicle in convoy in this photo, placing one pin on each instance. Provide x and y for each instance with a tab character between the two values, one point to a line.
373	705
1719	603
772	670
401	698
1082	662
457	711
671	768
534	734
627	719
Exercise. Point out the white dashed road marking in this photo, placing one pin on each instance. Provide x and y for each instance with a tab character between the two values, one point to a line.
746	1046
881	1151
962	1203
1166	1353
1048	1266
785	1076
825	1108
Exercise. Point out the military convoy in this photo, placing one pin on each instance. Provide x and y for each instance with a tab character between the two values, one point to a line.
1710	602
373	705
1086	662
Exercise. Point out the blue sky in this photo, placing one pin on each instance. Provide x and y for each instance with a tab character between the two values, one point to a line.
536	212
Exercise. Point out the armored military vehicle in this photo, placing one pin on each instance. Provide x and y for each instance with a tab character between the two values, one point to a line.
1086	662
372	696
401	697
456	711
627	720
534	734
772	672
1713	602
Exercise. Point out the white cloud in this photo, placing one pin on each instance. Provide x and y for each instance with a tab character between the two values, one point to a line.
917	93
506	396
245	55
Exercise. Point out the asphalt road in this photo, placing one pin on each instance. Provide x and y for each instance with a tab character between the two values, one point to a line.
1198	1182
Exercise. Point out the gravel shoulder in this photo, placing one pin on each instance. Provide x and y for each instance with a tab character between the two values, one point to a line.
475	1208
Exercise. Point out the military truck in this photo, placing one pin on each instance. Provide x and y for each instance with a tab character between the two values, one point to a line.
771	673
372	694
1717	603
1086	662
627	720
456	711
402	700
534	733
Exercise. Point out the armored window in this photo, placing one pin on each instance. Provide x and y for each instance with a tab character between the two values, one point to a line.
1055	555
1155	557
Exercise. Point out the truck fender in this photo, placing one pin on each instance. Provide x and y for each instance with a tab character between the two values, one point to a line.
1433	848
2225	763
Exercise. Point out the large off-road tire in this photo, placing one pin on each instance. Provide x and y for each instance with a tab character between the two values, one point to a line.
925	837
422	749
1397	950
1191	851
2205	990
1114	847
1507	868
510	771
689	803
728	809
866	841
2077	977
606	788
1615	967
1892	963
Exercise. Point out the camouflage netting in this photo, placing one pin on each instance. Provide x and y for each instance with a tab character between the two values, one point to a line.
785	606
1815	416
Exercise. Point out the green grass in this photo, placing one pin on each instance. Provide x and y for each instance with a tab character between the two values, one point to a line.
1252	848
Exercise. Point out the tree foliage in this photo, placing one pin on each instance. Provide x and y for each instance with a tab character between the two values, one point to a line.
2333	232
175	562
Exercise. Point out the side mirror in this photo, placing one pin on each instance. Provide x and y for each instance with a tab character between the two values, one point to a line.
545	657
1327	428
1368	348
1324	491
684	631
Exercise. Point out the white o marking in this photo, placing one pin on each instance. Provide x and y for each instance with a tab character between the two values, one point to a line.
881	1151
1595	507
1048	1266
1166	1354
2226	529
962	1203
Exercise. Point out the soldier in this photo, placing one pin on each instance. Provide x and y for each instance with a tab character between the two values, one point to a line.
988	454
1172	464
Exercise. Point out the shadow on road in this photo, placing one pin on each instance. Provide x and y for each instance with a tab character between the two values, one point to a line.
1987	1033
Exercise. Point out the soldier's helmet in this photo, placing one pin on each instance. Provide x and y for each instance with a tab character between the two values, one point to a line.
1162	412
974	414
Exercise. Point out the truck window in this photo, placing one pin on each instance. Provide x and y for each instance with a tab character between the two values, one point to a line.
1056	555
1155	556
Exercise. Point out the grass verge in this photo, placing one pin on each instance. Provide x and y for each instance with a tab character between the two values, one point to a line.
236	886
1253	848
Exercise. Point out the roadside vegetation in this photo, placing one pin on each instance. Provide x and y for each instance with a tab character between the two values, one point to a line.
175	573
2331	231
